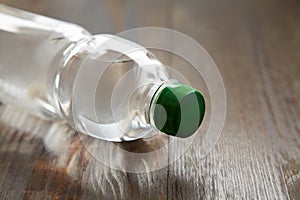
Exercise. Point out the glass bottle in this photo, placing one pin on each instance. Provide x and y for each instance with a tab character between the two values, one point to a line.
102	85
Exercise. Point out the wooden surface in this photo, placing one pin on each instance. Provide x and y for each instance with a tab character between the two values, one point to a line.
256	45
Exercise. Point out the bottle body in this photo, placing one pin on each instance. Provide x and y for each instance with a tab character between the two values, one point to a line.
29	44
55	69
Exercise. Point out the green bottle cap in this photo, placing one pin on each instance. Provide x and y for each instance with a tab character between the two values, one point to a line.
179	110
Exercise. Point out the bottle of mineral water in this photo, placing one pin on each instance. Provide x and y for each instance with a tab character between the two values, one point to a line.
102	85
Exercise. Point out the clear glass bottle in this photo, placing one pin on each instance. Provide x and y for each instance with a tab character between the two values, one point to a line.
102	85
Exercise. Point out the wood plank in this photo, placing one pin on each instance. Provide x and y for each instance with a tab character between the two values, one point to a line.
256	47
243	164
280	29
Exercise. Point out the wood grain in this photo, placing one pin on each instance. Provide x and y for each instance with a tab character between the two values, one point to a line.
256	47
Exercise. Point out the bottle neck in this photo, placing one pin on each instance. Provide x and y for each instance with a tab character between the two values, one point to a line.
152	97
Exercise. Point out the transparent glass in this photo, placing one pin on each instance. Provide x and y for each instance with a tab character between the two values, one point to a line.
32	47
101	85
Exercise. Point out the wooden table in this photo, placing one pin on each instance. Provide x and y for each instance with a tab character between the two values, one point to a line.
256	45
